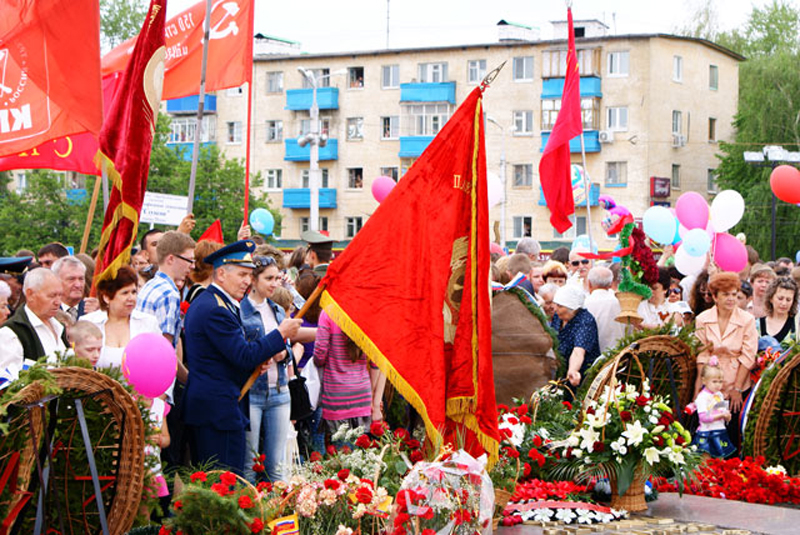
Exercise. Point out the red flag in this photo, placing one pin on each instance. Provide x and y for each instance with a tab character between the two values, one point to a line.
412	288
71	153
213	233
230	49
126	141
554	167
49	71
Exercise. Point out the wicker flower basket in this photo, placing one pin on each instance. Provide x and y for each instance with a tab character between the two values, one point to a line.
633	500
501	499
629	302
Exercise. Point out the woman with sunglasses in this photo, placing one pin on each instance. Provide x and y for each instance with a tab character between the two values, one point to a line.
657	311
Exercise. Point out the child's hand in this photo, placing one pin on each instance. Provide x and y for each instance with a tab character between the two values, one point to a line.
726	415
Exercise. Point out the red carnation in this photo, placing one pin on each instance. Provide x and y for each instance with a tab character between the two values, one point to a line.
522	410
184	307
346	450
331	484
364	494
512	452
164	531
401	519
228	478
245	502
343	473
412	444
537	457
537	441
256	525
264	486
526	419
220	488
363	442
315	456
198	476
462	516
567	404
502	408
178	505
258	468
425	512
428	531
526	470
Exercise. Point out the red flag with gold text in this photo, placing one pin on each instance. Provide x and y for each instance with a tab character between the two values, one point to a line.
49	71
230	48
126	141
412	288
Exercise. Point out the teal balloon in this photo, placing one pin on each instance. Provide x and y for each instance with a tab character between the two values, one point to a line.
659	224
262	221
677	239
696	242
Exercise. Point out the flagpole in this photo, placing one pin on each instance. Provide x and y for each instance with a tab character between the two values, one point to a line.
251	24
198	130
588	200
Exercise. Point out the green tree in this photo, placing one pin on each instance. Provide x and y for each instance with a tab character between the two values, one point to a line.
121	20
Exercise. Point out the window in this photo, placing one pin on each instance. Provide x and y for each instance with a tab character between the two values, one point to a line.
590	109
234	91
617	119
405	165
677	68
183	129
676	176
523	69
274	178
355	77
390	76
433	72
275	82
323	224
578	228
355	178
391	172
618	63
274	131
234	132
305	181
523	122
425	119
713	77
22	182
712	129
616	173
355	128
354	224
322	76
476	70
711	180
554	62
390	127
523	175
677	122
324	126
523	226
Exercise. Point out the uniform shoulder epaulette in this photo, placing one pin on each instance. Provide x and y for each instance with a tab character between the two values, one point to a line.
221	302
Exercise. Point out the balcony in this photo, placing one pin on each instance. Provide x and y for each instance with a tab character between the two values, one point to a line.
413	146
301	198
189	104
428	92
594	196
184	148
300	99
591	142
590	87
296	153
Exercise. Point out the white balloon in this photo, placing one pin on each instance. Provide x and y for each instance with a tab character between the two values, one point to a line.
495	186
727	209
688	264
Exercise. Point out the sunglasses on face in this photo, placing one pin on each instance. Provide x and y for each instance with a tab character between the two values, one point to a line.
675	291
263	261
577	263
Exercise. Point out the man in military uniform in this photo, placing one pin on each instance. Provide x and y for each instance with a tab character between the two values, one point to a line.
222	359
320	251
12	271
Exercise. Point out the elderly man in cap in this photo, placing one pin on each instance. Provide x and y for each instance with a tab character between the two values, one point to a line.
320	251
577	332
222	359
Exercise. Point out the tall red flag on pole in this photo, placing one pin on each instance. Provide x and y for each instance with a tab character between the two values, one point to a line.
554	167
49	71
126	140
412	288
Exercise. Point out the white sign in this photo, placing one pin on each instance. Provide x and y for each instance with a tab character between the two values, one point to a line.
163	209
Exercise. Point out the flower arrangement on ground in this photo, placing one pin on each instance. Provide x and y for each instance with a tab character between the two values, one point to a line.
627	436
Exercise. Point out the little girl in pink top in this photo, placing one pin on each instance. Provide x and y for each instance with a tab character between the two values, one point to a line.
712	410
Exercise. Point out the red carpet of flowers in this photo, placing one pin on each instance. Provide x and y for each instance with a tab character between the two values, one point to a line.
742	480
536	489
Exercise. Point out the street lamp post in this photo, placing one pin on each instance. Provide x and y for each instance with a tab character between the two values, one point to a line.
502	180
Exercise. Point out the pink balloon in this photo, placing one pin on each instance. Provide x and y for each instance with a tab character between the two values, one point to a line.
381	187
692	210
149	364
729	253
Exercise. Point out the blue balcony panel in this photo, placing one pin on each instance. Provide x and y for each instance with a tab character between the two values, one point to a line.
413	146
554	87
76	196
189	104
591	142
301	198
185	148
428	92
594	196
296	153
300	99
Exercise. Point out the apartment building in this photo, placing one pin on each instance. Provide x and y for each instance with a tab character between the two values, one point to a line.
654	108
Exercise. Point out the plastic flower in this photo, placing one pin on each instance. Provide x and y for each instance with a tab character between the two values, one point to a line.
585	516
651	455
565	515
543	515
635	433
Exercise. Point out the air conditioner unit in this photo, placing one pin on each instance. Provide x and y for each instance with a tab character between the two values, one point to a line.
678	141
606	136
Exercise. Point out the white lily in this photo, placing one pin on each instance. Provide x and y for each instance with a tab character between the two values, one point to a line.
635	433
676	456
588	437
543	515
651	455
565	515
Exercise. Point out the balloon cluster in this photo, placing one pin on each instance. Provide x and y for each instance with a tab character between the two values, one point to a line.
695	229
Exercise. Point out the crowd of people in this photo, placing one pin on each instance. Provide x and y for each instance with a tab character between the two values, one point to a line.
229	310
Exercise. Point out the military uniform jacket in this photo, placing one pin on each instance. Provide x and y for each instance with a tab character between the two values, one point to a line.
222	361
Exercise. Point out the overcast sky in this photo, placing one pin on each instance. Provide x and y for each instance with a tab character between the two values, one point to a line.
351	25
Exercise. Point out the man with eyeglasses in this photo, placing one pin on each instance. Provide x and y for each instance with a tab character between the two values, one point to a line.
579	269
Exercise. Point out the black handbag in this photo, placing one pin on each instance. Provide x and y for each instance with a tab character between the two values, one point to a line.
301	401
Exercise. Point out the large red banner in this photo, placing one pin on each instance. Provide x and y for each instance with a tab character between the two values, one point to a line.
49	77
230	49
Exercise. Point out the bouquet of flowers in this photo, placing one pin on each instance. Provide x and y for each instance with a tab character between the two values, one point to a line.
453	495
639	268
